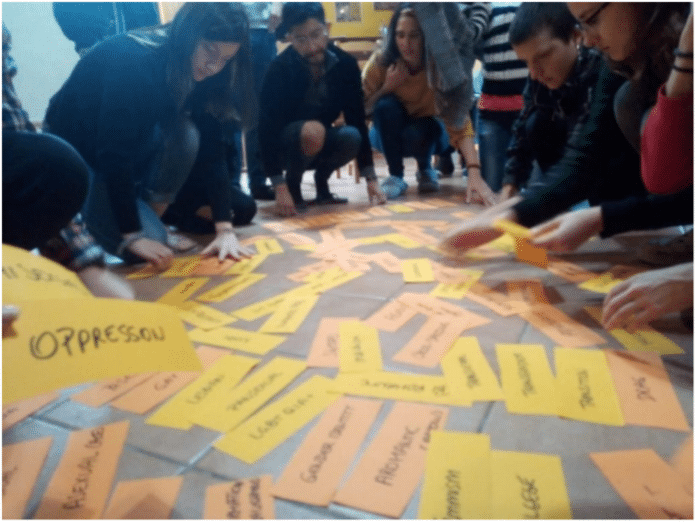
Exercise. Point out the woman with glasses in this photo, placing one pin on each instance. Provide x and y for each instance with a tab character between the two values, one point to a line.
146	110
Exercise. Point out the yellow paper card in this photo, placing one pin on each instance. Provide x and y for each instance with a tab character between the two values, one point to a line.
431	389
468	373
289	315
182	266
268	246
210	386
585	387
62	342
457	481
264	431
400	209
244	266
245	398
528	485
203	316
512	228
183	291
26	277
529	253
149	270
228	289
601	284
417	270
506	243
528	384
402	241
644	340
360	350
327	283
262	308
237	339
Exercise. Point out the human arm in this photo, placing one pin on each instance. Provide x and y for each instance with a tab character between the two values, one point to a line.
477	190
667	136
568	231
647	296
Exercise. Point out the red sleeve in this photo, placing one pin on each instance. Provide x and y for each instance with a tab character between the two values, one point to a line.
667	145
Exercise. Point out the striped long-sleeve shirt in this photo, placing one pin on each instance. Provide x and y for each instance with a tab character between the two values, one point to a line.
504	75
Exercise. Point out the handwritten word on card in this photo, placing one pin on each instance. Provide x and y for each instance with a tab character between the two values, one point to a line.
82	481
240	402
529	385
326	343
585	387
182	266
564	330
498	302
392	316
417	270
21	464
244	266
645	391
228	289
317	467
144	499
203	316
26	277
18	411
182	291
213	384
290	314
105	391
468	373
237	339
457	477
391	467
248	499
269	427
431	389
360	351
528	485
650	486
61	342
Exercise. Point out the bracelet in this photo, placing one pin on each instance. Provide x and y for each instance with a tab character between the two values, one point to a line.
128	242
678	53
473	166
683	69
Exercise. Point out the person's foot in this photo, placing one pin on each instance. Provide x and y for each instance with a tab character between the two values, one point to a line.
394	187
263	193
427	181
445	165
329	199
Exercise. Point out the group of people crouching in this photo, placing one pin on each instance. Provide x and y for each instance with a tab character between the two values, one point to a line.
138	139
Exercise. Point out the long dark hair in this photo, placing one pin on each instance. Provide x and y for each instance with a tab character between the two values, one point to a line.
659	28
390	51
227	95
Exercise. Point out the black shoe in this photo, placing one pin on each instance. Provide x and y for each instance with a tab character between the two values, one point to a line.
329	199
263	193
445	165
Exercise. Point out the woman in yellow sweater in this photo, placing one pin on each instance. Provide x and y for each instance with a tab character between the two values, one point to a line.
402	105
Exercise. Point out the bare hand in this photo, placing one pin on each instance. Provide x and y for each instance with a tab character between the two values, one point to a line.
285	206
153	251
568	231
478	191
507	192
375	194
226	245
396	75
104	283
648	296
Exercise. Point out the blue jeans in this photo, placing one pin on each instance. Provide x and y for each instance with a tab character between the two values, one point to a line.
398	135
494	139
341	145
164	164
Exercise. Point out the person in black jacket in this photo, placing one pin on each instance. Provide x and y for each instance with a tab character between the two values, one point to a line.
146	110
305	89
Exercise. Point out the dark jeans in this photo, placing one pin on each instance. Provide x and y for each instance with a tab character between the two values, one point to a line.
398	135
494	137
341	145
263	50
164	163
44	184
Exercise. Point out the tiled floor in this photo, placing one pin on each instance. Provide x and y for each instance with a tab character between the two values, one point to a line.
158	452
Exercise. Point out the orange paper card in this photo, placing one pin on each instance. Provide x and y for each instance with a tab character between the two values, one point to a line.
683	462
500	303
324	350
144	498
650	486
82	481
248	499
530	291
391	467
646	395
21	464
20	410
529	253
105	391
569	271
560	328
391	316
317	467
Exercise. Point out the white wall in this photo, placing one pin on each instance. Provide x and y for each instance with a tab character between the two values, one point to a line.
44	56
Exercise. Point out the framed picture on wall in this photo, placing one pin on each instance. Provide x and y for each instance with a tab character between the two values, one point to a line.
385	6
348	12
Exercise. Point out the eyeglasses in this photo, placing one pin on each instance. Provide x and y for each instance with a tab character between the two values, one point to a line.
591	21
315	36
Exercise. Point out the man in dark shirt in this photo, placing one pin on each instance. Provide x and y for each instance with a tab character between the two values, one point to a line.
305	89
